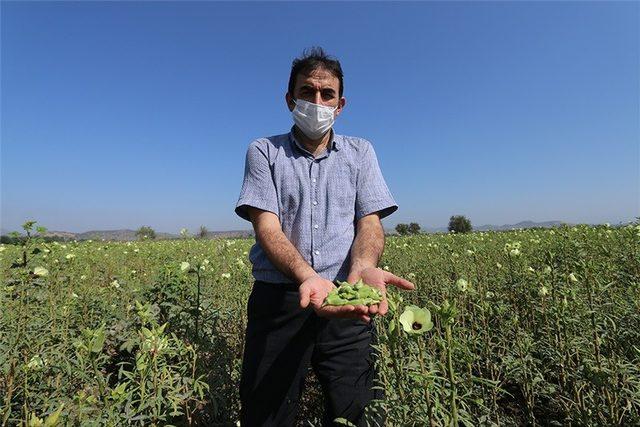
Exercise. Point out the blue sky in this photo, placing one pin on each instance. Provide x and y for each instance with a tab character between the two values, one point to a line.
120	114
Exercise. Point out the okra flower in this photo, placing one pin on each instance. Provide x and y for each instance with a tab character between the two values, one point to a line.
40	271
462	285
416	320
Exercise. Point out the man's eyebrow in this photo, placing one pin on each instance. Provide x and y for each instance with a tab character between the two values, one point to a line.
326	89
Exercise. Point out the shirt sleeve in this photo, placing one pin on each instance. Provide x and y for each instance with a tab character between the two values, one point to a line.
372	194
258	189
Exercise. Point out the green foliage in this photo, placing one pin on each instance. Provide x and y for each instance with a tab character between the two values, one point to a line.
402	229
414	228
524	327
405	229
459	224
145	233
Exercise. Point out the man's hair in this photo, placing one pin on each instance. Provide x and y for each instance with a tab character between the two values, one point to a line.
311	60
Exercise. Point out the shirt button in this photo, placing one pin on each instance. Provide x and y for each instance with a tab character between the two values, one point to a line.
316	252
313	180
315	226
315	203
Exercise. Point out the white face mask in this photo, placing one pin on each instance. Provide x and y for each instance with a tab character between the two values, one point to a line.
312	119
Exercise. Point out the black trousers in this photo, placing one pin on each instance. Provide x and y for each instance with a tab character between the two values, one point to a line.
282	341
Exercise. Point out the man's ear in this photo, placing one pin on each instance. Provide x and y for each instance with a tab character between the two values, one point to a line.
289	99
341	104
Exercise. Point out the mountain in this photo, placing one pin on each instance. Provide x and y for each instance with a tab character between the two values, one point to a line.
489	227
127	235
521	224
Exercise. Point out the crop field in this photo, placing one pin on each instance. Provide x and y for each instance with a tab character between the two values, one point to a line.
527	327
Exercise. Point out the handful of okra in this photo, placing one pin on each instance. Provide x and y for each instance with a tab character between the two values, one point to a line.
358	294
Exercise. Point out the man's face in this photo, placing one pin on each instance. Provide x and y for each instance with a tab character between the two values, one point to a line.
320	87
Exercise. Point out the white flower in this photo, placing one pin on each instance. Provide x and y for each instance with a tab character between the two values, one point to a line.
462	285
203	268
35	363
386	267
184	266
531	270
543	291
40	271
573	278
69	256
83	277
133	271
206	261
136	250
74	295
469	252
115	284
226	275
498	265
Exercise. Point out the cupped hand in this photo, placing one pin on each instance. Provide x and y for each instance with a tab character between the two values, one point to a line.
380	279
315	289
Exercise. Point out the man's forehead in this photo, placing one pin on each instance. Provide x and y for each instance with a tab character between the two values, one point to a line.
318	78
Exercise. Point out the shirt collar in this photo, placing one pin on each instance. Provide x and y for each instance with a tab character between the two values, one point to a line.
335	141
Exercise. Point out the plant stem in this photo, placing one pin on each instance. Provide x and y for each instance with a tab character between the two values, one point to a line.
454	409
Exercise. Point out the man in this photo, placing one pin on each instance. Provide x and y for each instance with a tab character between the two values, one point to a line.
315	200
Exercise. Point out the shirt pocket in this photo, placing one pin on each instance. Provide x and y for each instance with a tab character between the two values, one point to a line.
290	192
341	189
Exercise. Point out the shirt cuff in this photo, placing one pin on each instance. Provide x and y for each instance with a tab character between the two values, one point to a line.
383	207
242	211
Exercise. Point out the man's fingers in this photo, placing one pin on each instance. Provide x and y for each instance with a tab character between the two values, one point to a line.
383	308
364	318
304	297
344	311
399	282
373	309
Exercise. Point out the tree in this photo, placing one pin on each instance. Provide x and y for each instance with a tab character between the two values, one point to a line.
402	229
459	224
203	232
145	232
414	228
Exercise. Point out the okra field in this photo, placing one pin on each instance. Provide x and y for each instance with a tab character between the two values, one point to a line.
526	327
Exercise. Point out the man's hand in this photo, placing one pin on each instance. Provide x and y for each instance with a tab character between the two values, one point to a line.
315	289
380	279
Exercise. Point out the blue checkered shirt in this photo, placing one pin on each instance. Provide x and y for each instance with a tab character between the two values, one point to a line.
318	200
